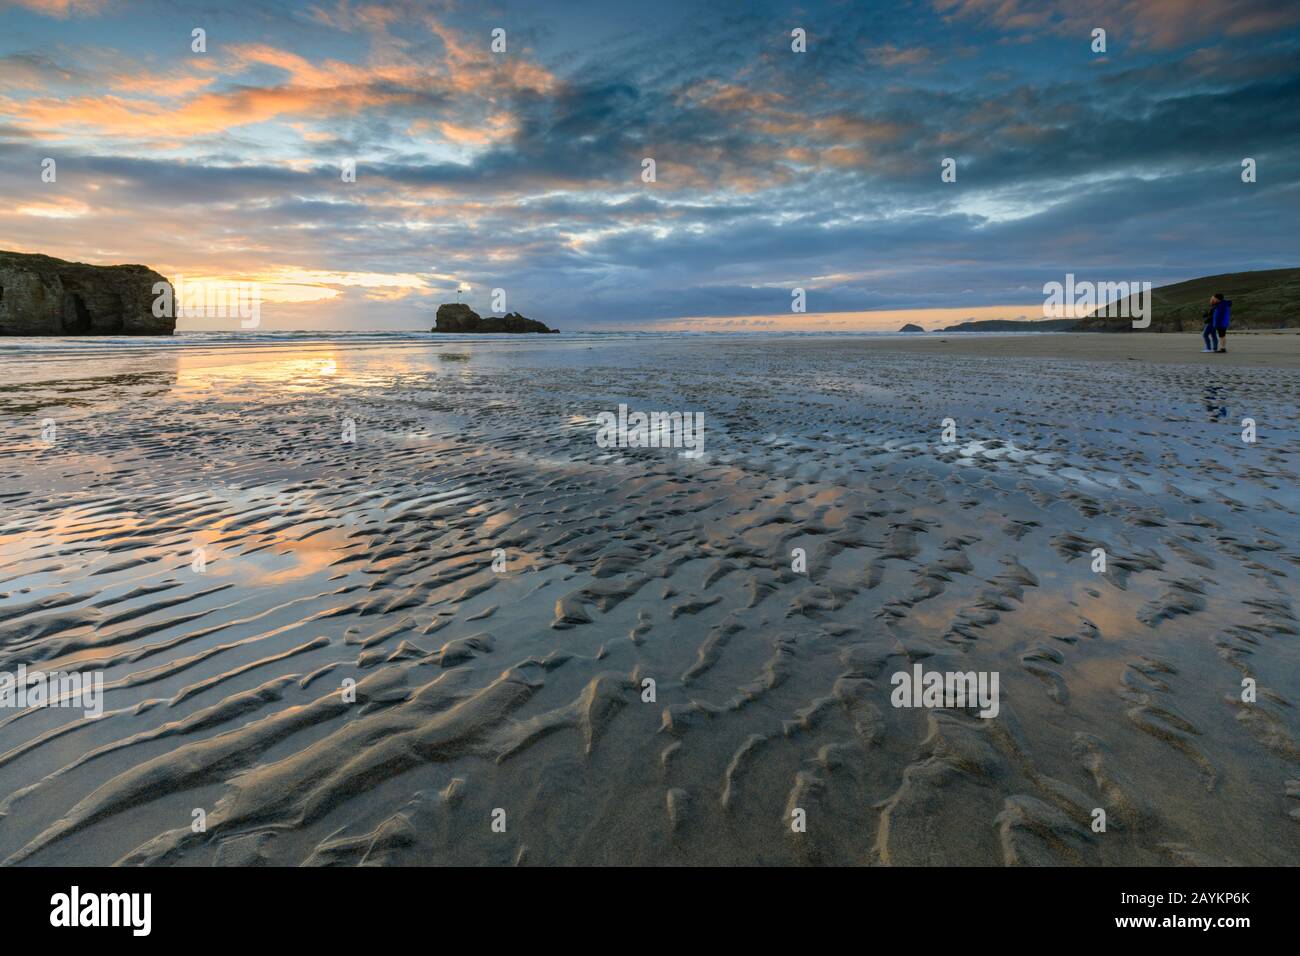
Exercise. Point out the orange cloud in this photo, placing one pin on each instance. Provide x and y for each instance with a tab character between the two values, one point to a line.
496	128
890	56
472	66
164	109
1158	23
730	98
62	9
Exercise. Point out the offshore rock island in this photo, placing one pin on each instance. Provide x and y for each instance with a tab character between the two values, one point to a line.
457	317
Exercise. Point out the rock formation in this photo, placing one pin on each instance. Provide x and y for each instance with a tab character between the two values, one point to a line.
40	295
455	317
911	327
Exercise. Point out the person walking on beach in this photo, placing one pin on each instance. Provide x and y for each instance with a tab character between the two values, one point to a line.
1222	311
1215	332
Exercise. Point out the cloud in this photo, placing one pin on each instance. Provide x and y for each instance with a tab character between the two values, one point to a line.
61	9
523	170
1158	23
891	56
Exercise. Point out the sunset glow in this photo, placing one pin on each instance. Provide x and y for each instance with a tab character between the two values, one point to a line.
522	169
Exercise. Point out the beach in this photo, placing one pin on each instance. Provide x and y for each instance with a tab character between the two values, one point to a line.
1245	349
361	602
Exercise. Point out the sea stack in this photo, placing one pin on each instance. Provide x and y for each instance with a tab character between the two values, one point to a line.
41	295
457	317
911	327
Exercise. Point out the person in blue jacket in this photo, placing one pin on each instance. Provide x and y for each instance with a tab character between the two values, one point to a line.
1215	332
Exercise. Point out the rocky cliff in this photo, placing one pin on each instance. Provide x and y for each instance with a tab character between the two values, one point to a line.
40	295
455	317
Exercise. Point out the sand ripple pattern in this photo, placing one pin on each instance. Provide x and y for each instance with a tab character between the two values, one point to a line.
371	562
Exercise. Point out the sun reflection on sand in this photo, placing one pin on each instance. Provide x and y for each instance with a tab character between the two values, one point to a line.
374	560
199	373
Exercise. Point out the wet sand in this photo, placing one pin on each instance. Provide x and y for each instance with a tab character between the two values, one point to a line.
518	695
1245	349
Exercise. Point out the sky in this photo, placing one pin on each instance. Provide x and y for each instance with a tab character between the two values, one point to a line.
524	170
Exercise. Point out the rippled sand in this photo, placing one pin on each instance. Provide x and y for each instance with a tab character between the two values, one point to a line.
521	691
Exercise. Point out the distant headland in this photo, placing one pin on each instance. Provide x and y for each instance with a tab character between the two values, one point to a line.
1265	299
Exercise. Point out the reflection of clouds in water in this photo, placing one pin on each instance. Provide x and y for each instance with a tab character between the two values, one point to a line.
307	367
371	561
227	373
